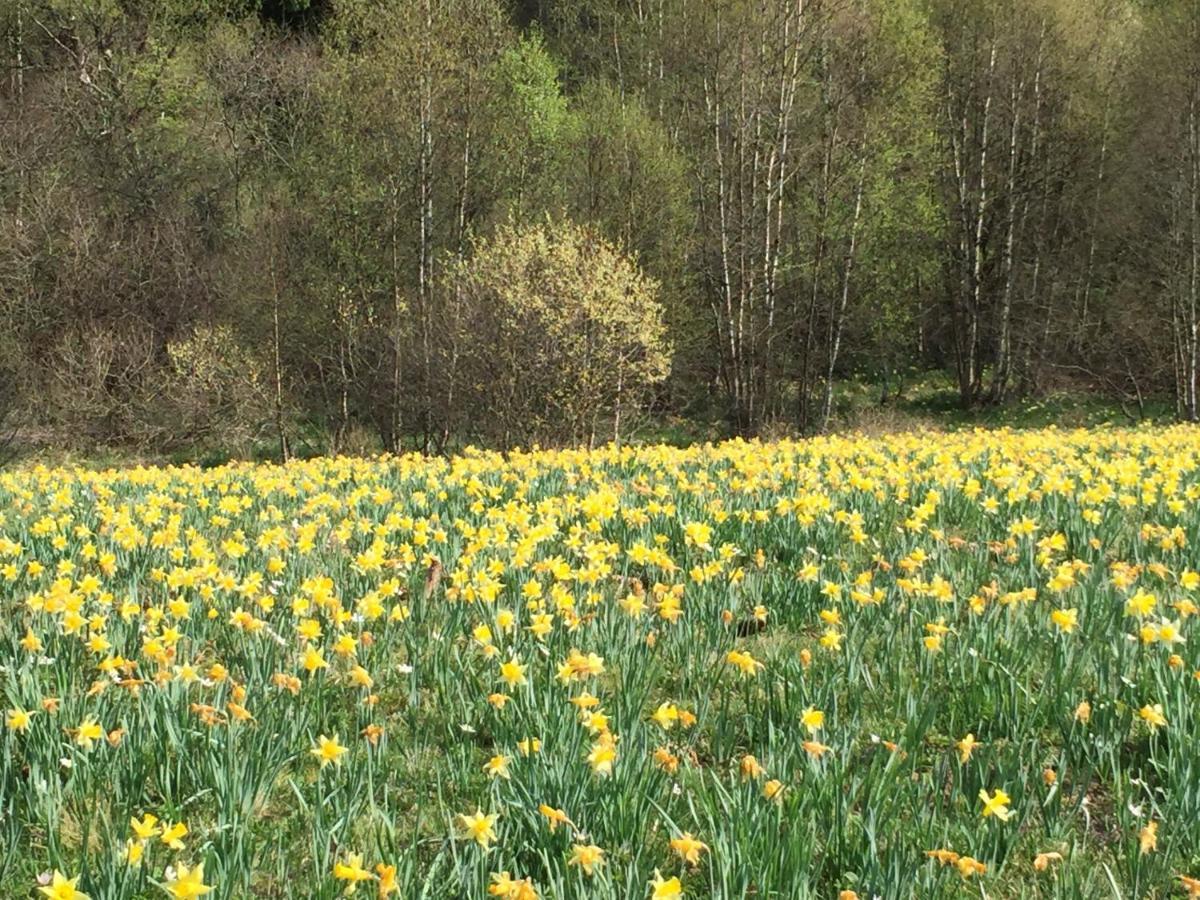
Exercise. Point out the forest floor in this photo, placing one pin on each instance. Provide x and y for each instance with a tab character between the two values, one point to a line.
921	401
929	401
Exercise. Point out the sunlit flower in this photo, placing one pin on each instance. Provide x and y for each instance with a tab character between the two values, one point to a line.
18	719
512	673
188	883
146	827
1066	620
665	889
479	827
603	754
812	719
1148	838
1152	715
996	804
688	848
815	749
88	733
554	817
350	870
387	880
62	888
497	766
173	834
313	660
1042	861
588	857
968	867
744	662
943	856
327	750
750	768
966	747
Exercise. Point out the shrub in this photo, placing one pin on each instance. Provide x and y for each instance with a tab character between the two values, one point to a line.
556	335
214	389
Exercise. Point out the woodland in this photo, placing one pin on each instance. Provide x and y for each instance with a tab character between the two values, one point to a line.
334	225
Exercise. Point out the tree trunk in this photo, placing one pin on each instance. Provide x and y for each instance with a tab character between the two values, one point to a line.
1192	322
276	356
397	411
425	226
838	320
1003	359
973	368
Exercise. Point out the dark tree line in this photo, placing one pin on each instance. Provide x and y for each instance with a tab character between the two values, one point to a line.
244	221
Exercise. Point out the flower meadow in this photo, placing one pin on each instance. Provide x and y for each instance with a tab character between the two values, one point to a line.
923	665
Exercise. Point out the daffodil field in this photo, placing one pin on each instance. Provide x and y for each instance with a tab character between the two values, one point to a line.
925	665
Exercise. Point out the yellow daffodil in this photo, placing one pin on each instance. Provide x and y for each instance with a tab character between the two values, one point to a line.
173	834
688	848
187	883
588	857
18	719
996	804
328	750
966	747
479	827
1152	715
665	888
350	870
62	888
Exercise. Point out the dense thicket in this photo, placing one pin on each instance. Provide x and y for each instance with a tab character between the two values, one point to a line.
245	220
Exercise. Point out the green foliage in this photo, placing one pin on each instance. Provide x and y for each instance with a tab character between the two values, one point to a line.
528	77
529	122
629	180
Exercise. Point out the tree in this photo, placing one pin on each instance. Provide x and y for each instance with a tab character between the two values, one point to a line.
1166	196
870	202
394	171
563	335
630	182
741	98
